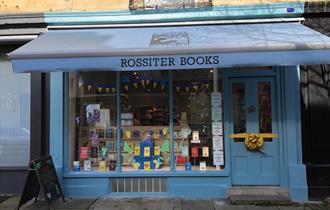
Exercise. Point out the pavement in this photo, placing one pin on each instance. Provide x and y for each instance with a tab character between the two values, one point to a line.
149	203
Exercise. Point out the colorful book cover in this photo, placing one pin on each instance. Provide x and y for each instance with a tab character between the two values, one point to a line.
156	150
102	165
76	166
100	133
202	166
156	134
87	165
83	152
137	150
194	151
109	133
136	134
94	152
110	145
205	151
128	134
146	165
146	152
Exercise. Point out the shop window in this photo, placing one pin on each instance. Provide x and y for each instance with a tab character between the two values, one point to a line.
145	132
198	119
92	121
14	117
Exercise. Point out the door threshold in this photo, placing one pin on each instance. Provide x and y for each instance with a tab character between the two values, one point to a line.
259	195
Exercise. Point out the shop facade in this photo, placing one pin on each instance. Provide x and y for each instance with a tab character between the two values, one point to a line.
189	111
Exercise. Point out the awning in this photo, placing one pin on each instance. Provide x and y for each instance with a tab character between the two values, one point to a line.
163	48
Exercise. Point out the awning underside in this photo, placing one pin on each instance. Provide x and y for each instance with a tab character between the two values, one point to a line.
173	48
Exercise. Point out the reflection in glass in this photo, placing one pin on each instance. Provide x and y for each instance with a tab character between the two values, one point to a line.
238	107
92	121
265	110
145	121
193	143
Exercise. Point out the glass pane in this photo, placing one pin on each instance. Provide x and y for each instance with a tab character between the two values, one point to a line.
145	121
238	109
92	121
265	109
14	116
194	115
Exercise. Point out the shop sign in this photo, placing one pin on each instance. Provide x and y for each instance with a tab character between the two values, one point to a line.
169	62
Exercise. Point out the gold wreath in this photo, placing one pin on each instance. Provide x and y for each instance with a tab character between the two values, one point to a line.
254	142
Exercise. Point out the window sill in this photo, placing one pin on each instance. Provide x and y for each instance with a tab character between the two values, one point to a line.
72	174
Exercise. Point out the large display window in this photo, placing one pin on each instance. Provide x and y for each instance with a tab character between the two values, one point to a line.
166	120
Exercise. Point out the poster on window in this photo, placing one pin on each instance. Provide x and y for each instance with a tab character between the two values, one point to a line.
216	99
218	158
217	128
217	142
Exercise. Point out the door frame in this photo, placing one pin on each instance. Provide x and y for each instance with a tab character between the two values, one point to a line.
242	73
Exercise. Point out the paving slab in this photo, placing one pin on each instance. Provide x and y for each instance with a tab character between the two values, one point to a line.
223	205
253	207
197	204
290	207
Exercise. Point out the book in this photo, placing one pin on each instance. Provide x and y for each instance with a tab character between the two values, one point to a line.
146	165
146	152
100	133
102	165
76	166
83	152
202	165
110	145
205	151
109	133
194	151
87	165
94	152
136	134
137	150
156	150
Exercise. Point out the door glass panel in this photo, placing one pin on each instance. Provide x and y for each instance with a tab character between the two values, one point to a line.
265	109
238	108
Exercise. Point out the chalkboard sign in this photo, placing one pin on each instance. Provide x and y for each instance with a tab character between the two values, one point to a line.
42	175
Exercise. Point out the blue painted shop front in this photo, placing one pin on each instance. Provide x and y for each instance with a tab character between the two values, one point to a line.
280	163
254	70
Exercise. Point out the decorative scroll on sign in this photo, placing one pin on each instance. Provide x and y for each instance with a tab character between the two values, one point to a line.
168	4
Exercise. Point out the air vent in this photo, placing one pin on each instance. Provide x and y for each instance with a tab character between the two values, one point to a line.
139	185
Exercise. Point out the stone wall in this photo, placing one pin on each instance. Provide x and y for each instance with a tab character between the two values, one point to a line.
36	6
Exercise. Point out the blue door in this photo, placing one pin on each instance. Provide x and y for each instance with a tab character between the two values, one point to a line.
253	110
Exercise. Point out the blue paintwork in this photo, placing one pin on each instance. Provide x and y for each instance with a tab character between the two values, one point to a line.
189	184
240	59
216	13
118	108
56	120
268	173
170	89
296	169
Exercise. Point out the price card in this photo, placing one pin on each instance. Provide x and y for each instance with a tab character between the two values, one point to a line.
218	158
217	142
216	113
216	99
217	128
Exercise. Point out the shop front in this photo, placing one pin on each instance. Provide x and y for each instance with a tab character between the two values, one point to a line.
189	111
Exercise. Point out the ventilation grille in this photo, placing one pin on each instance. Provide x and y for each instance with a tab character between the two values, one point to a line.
139	185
